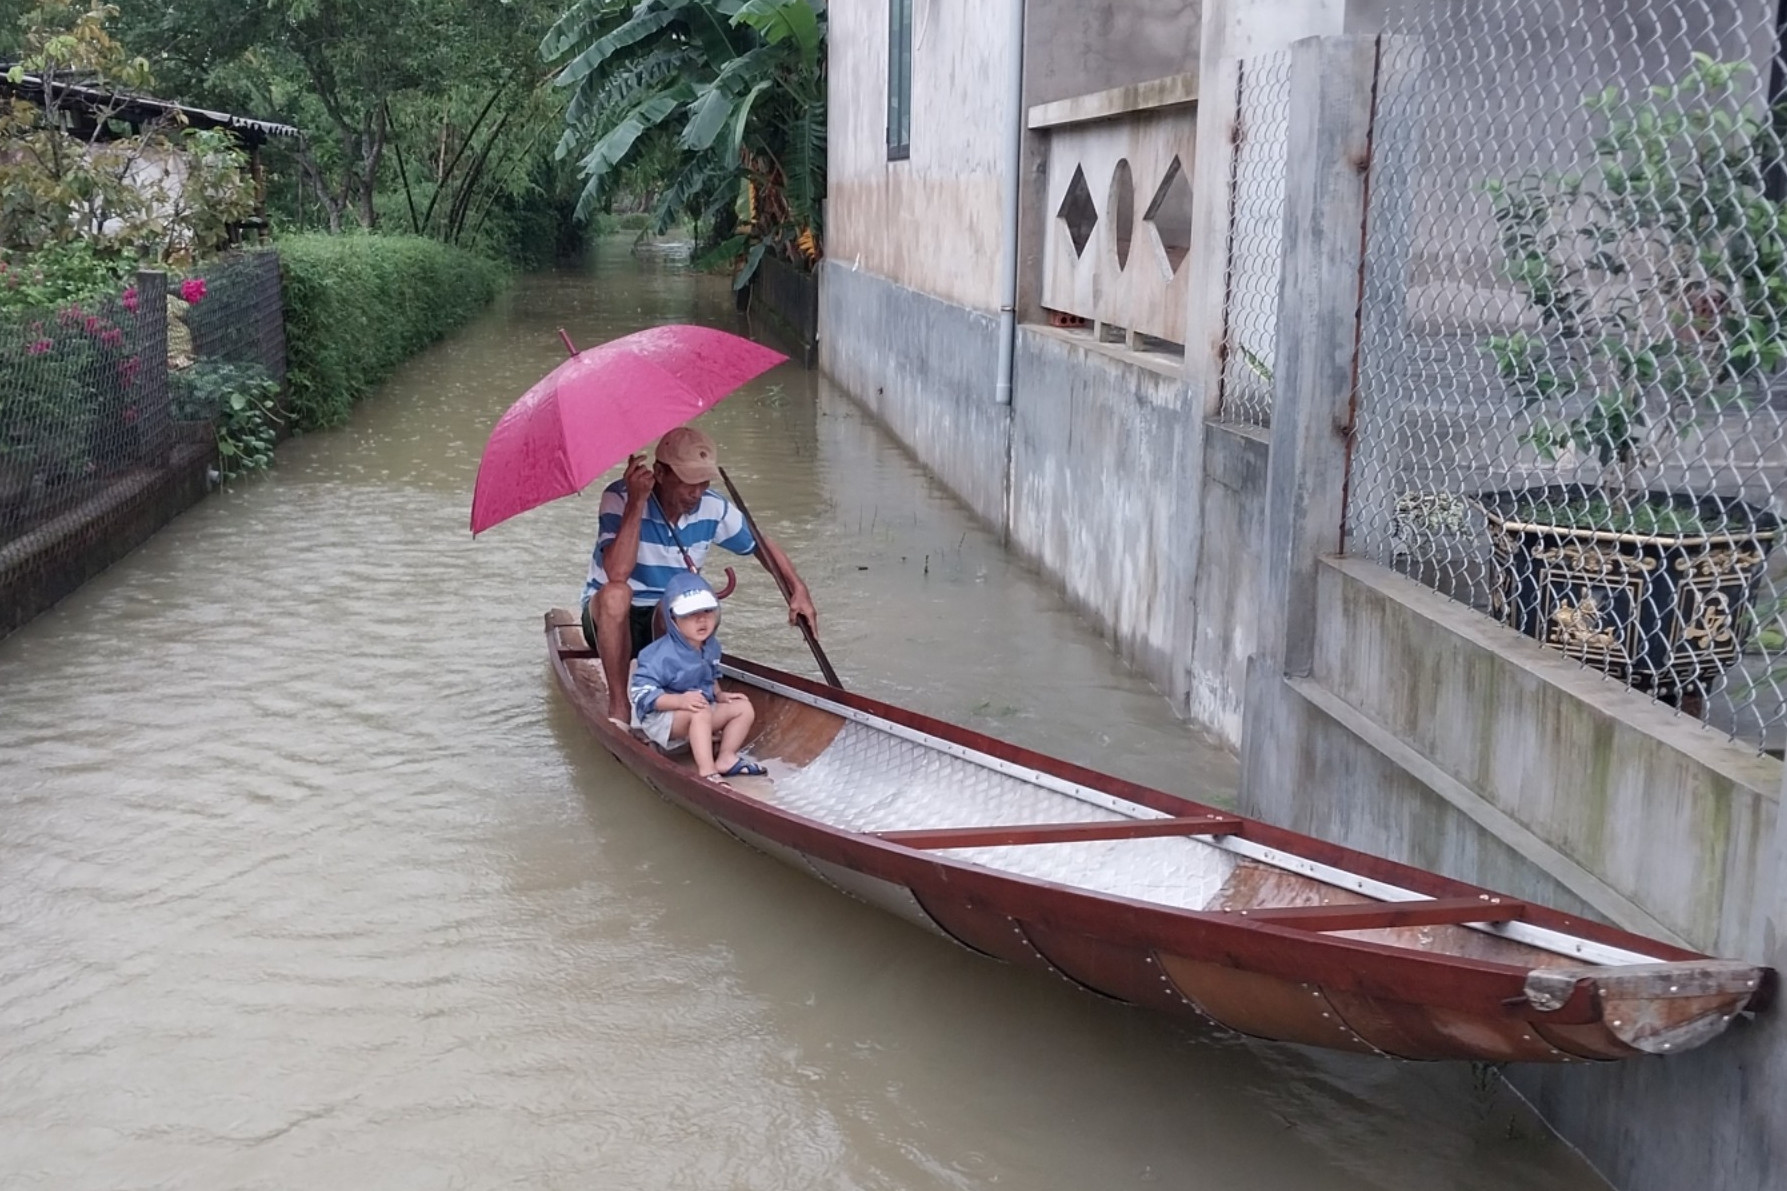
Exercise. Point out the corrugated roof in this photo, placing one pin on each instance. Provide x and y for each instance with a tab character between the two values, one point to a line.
142	109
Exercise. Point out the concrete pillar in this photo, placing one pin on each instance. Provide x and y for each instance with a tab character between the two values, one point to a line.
1327	170
1230	30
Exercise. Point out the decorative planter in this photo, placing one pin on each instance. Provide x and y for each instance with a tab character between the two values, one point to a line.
1663	612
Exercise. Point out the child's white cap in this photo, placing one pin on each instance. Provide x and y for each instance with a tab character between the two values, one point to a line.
698	600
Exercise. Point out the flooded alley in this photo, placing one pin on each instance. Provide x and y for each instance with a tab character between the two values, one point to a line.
309	877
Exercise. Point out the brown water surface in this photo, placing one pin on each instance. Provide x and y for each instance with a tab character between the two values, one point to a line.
309	879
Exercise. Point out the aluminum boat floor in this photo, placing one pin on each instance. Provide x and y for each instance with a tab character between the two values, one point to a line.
869	781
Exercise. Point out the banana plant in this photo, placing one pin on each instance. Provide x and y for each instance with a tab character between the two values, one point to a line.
739	84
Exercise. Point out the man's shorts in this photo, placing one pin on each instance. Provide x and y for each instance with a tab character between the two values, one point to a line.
640	625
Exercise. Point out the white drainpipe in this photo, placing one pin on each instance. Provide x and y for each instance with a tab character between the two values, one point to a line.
1013	163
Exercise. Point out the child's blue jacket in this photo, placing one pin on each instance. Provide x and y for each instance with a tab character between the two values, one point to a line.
670	665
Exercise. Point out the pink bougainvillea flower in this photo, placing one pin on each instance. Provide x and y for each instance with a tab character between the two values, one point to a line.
39	347
68	316
192	289
93	323
130	299
130	415
128	369
112	337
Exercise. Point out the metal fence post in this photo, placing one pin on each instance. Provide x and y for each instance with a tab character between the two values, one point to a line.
1327	173
155	407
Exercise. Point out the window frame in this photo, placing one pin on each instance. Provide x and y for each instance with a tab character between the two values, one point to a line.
899	80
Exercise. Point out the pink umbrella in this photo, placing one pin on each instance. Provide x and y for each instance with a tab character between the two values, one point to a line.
600	406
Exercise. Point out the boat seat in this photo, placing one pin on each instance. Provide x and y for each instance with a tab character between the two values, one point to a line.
1376	915
1061	833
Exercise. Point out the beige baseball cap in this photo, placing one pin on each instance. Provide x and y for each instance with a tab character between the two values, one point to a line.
691	454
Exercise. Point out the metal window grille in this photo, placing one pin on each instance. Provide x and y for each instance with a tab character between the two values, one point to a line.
1256	239
1571	396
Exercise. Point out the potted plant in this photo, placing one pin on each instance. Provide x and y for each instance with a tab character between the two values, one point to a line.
1656	293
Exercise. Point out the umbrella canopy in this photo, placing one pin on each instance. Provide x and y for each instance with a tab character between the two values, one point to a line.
602	405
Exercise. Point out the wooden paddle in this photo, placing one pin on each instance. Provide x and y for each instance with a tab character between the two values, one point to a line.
782	583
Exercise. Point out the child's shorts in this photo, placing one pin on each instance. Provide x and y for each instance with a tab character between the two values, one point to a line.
655	726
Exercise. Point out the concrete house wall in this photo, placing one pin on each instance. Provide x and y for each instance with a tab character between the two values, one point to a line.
1369	710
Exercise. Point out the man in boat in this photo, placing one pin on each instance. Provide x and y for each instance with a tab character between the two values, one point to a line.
655	522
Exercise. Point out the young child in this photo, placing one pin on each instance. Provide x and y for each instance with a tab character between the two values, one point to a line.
675	689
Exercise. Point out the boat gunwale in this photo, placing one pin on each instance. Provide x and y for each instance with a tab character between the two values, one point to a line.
1525	931
1359	966
1364	865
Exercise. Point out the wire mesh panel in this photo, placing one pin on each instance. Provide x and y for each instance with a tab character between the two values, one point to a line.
104	402
75	409
1256	239
226	355
1574	323
232	312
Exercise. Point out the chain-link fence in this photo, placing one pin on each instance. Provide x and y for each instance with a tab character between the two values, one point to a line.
1574	322
1256	239
236	317
226	355
100	399
77	405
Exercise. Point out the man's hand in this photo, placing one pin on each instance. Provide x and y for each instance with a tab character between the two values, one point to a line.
801	604
640	479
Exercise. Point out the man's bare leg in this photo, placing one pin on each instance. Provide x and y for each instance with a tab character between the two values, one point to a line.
608	608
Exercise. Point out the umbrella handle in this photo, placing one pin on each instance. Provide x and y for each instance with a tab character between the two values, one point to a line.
569	346
731	582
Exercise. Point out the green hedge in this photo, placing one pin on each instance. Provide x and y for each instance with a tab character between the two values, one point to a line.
356	306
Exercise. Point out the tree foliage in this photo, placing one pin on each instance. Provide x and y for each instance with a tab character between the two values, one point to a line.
430	116
73	188
737	87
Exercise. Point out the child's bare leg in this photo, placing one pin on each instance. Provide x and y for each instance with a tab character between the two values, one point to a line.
737	726
701	740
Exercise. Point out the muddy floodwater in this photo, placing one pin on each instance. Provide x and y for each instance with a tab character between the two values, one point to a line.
309	878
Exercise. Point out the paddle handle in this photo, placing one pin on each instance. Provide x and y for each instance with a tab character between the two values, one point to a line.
782	585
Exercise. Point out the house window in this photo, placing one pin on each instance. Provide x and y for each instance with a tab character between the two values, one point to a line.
899	79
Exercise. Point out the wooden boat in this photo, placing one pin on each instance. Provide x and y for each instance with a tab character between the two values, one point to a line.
1158	901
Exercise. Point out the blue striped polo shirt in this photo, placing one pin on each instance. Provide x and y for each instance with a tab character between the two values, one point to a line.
714	519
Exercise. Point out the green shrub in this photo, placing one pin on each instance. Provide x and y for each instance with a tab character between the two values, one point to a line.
59	273
242	401
356	306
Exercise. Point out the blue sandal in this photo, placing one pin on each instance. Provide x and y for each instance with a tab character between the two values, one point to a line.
744	767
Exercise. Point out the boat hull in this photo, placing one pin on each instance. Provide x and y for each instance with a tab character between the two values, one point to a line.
1279	948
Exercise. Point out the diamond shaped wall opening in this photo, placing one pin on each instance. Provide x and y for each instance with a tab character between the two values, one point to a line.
1122	209
1077	211
1169	217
